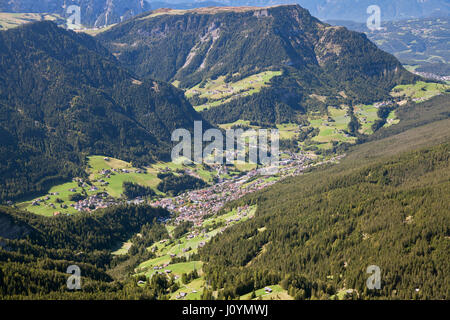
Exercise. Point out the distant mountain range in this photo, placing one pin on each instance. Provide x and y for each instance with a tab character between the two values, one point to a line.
98	13
184	5
420	43
316	60
94	13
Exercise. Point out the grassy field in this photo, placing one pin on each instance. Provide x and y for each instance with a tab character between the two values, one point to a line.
12	20
244	123
193	290
45	208
367	115
96	164
287	130
391	119
113	184
123	249
185	246
161	12
411	68
95	31
420	91
331	127
179	246
277	293
203	10
177	269
219	92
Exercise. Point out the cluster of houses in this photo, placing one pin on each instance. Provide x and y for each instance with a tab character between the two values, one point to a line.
94	202
108	172
382	104
194	205
432	76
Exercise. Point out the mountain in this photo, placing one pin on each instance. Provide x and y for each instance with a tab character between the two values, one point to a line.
311	63
421	43
354	10
94	13
63	96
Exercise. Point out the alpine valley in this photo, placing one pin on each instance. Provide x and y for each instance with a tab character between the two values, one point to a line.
86	178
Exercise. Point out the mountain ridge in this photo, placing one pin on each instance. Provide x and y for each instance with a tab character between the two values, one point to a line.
354	10
194	46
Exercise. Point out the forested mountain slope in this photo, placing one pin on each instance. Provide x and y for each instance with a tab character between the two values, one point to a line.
191	47
34	261
63	96
386	204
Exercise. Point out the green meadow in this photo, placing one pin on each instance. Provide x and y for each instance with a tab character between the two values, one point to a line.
185	247
219	92
287	130
123	249
114	187
12	20
367	115
331	127
193	289
391	119
420	91
277	293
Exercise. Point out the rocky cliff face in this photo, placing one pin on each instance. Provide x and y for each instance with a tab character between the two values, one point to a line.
94	13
